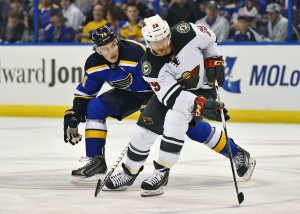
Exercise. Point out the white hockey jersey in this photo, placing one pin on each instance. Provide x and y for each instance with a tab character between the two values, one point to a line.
174	77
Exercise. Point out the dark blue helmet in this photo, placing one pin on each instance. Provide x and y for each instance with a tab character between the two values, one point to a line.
103	36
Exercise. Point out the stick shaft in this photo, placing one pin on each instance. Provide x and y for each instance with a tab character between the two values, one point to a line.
100	184
227	142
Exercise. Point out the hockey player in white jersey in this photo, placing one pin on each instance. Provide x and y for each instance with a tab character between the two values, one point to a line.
181	65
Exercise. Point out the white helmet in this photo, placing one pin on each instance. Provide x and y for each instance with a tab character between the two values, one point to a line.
155	29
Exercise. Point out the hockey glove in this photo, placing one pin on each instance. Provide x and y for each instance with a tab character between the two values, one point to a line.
71	134
216	115
207	108
215	70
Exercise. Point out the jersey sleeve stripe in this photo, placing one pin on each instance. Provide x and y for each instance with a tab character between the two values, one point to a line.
96	69
128	63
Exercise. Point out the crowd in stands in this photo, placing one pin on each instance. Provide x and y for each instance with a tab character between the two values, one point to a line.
74	20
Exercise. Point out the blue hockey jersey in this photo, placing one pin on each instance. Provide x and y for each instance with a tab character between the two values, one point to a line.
125	74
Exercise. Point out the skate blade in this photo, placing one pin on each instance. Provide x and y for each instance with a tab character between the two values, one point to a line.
249	173
150	193
105	189
84	181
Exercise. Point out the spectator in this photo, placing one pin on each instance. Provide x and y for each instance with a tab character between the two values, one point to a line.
105	4
118	3
99	21
4	9
164	6
72	13
132	28
183	10
16	5
145	11
14	28
218	24
84	5
45	9
116	19
28	35
244	32
57	31
277	24
251	9
89	14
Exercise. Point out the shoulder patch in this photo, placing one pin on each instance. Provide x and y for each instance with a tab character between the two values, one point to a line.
146	68
183	28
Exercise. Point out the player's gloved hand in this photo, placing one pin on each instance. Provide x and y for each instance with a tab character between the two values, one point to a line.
207	108
215	70
71	134
216	115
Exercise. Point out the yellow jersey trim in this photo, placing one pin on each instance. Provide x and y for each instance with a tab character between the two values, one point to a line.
96	69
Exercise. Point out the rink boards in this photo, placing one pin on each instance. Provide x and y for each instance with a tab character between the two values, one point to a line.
261	84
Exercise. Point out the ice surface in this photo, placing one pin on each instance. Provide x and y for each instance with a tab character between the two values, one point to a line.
35	167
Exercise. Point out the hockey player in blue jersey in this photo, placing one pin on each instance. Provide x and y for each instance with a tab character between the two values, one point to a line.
116	62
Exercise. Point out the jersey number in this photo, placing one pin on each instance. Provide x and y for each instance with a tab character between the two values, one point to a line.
155	86
203	29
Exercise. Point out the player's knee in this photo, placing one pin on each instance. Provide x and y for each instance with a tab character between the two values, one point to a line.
142	139
97	109
200	133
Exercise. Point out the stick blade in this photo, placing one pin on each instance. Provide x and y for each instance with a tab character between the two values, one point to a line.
241	197
97	190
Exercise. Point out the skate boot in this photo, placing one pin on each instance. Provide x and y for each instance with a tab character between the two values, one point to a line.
155	183
121	181
244	164
96	166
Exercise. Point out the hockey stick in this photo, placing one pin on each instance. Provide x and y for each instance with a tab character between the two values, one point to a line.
100	184
240	195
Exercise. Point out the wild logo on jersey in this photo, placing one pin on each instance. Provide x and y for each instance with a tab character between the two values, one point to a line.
190	79
146	68
183	28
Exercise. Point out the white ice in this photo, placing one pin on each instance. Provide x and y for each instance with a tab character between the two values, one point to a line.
35	167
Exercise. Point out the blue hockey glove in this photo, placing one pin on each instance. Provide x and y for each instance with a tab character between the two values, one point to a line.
71	134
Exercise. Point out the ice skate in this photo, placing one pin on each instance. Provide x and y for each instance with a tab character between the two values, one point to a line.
155	183
244	164
121	181
94	169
